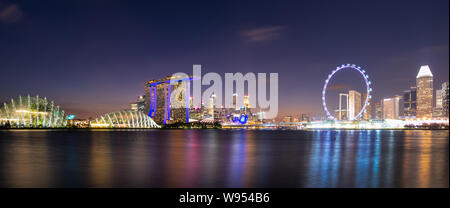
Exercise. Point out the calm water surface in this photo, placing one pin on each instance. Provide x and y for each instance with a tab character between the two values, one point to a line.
223	158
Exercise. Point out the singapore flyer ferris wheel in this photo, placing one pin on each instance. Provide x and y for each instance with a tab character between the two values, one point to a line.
366	80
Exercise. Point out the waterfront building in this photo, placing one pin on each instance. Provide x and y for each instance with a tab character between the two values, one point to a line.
133	106
166	103
439	98
287	119
398	106
445	99
32	112
410	103
437	111
211	111
235	100
246	102
354	104
392	107
424	92
342	114
305	117
368	113
378	110
124	119
388	108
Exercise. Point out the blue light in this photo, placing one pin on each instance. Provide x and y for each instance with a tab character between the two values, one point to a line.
243	119
71	117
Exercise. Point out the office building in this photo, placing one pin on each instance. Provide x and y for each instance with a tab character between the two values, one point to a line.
424	92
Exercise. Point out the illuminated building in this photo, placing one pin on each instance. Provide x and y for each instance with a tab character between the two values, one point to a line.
388	108
368	113
424	92
287	119
32	112
354	104
305	117
341	112
445	99
378	111
438	98
392	107
235	98
124	119
246	102
410	103
211	107
134	106
437	111
398	106
167	103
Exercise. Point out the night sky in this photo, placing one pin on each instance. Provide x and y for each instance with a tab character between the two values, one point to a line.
93	57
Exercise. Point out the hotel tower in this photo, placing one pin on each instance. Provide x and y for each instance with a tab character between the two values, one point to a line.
424	92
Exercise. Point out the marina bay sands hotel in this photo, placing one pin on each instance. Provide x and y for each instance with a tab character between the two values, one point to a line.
158	100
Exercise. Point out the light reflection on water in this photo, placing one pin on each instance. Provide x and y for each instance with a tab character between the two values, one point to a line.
223	158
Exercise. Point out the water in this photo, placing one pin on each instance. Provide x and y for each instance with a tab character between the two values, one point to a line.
223	158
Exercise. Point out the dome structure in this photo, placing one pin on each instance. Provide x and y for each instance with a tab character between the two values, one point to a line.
32	112
124	119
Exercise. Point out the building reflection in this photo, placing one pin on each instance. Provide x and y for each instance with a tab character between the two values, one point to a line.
235	158
28	160
100	161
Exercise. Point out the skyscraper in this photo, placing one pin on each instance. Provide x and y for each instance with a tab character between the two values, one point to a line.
354	104
437	111
424	92
398	106
368	113
167	103
378	111
438	98
410	103
388	108
392	107
445	99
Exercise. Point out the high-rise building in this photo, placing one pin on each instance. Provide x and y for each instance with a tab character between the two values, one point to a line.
235	100
354	104
392	107
439	98
139	104
445	99
398	106
437	111
167	103
388	108
211	107
410	103
378	111
246	102
287	119
305	117
424	92
368	113
340	114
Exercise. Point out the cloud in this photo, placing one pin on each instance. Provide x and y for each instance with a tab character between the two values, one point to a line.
263	34
10	13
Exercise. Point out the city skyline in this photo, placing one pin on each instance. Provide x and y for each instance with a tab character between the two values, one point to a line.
95	67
